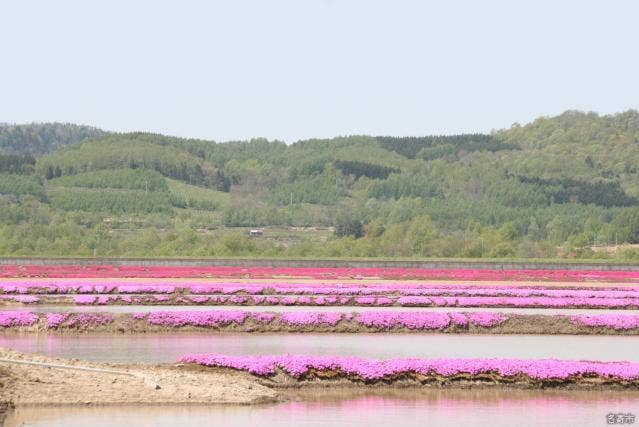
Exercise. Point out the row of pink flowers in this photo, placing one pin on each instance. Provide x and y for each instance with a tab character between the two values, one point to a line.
65	286
614	321
367	369
17	318
80	320
203	318
412	320
374	319
53	320
23	299
314	273
384	320
379	301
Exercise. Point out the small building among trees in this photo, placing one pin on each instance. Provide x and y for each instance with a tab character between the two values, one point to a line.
255	232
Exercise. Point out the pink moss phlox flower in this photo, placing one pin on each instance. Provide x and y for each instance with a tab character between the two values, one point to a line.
414	301
262	317
311	318
23	299
17	318
296	366
365	300
410	320
382	301
487	320
458	319
615	321
258	299
85	320
205	318
84	299
55	319
272	300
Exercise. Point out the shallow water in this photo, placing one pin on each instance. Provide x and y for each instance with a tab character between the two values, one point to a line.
168	347
361	408
279	308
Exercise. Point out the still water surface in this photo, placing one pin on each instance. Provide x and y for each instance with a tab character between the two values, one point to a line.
361	408
168	347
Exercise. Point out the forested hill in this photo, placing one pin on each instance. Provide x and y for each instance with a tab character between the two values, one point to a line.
36	139
552	188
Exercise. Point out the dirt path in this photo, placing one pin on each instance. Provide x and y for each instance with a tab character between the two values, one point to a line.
100	383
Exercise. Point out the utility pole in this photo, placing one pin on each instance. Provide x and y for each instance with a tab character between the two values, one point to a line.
291	198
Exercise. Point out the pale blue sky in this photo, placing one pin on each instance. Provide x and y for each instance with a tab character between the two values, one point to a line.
314	68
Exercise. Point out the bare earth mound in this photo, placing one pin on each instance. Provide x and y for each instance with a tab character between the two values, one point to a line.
82	382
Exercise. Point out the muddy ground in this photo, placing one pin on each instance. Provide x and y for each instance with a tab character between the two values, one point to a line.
22	384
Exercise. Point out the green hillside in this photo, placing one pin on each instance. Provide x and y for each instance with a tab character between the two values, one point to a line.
37	139
556	187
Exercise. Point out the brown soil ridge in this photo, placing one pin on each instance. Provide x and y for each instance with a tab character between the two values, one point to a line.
333	378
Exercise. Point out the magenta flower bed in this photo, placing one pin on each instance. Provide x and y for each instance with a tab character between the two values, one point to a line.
85	299
408	301
84	320
23	299
365	291
374	319
225	317
205	318
406	294
459	319
615	321
56	319
17	318
386	319
414	301
298	366
313	318
487	320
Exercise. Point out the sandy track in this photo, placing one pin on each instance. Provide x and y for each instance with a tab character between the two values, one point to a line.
136	384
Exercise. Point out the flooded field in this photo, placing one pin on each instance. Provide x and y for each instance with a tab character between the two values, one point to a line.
358	408
368	406
168	347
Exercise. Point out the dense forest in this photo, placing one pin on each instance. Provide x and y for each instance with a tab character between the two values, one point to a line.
559	187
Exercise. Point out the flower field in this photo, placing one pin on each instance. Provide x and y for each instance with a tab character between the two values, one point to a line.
408	294
353	369
426	303
326	301
65	286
